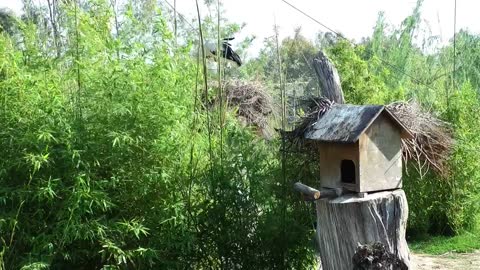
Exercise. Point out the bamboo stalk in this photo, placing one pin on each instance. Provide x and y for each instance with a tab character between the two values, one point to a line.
220	95
284	157
205	81
175	20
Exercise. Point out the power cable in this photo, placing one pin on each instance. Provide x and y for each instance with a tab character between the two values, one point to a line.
174	9
454	46
415	80
313	19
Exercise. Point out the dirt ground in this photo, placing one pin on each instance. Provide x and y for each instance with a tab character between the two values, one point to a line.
448	261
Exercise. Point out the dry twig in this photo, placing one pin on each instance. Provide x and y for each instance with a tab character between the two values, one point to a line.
432	141
254	103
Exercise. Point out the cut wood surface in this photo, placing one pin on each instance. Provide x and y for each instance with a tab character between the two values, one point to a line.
309	193
312	194
346	221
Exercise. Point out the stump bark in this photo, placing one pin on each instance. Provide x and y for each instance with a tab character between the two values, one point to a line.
345	222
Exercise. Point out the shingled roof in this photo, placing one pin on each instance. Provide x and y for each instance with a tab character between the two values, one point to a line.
344	123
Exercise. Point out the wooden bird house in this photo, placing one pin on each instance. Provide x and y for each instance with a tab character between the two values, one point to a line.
359	147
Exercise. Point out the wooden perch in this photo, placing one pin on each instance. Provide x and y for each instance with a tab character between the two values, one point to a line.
311	194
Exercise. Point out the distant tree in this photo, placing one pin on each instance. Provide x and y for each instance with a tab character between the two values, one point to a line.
297	56
8	22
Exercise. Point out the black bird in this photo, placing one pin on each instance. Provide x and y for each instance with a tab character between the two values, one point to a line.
226	50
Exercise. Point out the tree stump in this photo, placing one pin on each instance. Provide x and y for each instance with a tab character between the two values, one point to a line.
328	78
348	221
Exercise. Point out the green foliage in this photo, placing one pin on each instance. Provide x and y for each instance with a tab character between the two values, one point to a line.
297	54
465	176
450	205
246	211
360	84
467	241
391	67
105	156
396	64
468	59
108	161
81	152
7	22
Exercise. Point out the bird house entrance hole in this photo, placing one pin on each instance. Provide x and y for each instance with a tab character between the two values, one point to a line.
347	170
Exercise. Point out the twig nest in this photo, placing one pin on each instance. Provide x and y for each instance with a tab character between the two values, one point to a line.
253	102
432	143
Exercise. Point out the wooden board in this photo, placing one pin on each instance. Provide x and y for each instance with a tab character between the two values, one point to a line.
380	157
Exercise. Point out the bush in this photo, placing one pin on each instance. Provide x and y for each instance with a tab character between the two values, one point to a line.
107	160
437	205
450	205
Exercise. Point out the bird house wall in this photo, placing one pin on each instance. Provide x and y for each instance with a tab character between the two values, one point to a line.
331	156
380	156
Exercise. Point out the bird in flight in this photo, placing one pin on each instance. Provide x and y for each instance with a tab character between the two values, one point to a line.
226	51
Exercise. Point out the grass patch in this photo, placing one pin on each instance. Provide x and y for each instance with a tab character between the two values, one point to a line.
465	242
435	245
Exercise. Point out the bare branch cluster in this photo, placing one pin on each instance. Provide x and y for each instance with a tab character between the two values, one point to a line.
432	142
253	102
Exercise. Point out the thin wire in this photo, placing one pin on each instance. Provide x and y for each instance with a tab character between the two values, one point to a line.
313	19
454	186
342	37
220	94
454	51
180	15
77	60
175	20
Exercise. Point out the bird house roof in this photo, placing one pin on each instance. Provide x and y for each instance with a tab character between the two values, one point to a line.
344	123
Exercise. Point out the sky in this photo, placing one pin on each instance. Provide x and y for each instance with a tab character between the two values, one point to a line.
353	18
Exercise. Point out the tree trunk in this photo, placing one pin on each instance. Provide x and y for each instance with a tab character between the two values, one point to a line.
328	78
347	221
